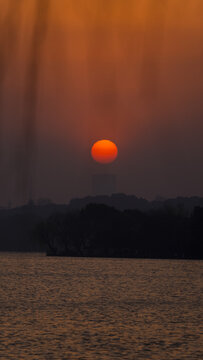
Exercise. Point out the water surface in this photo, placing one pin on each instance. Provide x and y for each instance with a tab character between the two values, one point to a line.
82	308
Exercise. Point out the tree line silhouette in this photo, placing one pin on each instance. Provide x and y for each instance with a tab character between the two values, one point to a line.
102	231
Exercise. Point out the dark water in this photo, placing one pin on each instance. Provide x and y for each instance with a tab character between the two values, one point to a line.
72	308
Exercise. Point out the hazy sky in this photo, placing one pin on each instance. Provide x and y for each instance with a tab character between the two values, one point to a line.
74	72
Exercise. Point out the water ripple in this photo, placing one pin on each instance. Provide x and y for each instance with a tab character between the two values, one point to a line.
72	308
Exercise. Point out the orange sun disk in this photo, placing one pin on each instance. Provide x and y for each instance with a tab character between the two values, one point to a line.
104	151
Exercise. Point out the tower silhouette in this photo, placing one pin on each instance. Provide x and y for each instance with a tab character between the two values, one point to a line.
103	184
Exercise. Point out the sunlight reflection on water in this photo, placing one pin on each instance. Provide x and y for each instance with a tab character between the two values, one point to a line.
82	308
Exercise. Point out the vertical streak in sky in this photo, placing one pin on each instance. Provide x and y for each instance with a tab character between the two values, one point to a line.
8	36
8	47
152	48
129	47
101	67
31	95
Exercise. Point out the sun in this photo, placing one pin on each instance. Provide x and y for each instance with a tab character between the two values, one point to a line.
104	151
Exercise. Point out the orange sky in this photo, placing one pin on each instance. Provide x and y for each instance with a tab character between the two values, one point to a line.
130	71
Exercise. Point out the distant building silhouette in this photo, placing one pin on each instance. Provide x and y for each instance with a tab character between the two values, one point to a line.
103	184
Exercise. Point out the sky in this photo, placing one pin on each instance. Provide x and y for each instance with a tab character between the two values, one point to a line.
72	73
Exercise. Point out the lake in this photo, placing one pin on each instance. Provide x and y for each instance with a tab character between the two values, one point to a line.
91	308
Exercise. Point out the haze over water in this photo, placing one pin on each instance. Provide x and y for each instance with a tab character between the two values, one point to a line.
82	308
